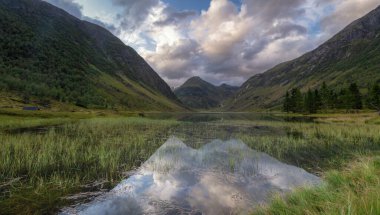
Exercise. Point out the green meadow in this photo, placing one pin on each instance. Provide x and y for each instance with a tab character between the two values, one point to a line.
47	159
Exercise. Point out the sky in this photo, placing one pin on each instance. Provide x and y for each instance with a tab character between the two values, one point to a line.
221	41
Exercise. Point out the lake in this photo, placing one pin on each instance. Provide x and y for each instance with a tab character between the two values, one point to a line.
171	163
197	174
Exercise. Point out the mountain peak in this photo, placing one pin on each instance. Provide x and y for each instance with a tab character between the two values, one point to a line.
196	81
200	94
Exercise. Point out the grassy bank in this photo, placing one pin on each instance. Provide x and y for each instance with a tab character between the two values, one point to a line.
318	147
353	190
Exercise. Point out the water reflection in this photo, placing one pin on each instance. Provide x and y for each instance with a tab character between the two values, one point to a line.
218	117
222	177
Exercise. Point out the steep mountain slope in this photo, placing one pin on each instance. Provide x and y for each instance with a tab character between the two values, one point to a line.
47	54
353	55
199	94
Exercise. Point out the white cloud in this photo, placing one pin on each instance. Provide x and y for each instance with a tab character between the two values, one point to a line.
228	43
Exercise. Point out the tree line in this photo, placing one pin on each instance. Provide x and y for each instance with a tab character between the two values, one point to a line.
326	98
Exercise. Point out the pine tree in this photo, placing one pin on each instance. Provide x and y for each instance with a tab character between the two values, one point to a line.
287	102
317	100
325	96
374	97
343	99
310	102
296	101
355	97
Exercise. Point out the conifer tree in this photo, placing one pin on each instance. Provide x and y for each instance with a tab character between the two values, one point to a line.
296	101
325	96
374	97
355	97
287	102
310	102
317	100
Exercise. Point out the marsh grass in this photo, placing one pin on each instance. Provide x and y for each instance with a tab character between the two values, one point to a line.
38	170
354	190
318	147
59	162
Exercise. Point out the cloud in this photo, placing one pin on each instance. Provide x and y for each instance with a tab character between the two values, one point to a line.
75	9
228	42
345	12
135	12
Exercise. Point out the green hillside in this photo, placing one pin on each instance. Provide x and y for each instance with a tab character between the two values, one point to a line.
48	56
351	56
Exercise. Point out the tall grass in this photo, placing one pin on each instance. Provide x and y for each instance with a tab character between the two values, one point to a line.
318	147
68	157
355	190
38	169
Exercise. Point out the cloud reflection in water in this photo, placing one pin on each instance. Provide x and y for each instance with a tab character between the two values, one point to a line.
219	178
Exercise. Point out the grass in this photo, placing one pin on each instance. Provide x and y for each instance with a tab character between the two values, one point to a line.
61	161
318	147
354	190
88	152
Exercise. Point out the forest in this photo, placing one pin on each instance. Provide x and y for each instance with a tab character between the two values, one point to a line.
326	98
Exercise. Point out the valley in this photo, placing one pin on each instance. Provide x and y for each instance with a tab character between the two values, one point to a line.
87	125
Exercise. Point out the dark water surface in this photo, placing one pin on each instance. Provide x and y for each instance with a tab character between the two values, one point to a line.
220	117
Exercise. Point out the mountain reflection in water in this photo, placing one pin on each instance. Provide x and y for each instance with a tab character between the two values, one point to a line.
219	178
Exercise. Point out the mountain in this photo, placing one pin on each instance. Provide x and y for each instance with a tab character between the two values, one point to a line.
199	94
48	55
353	55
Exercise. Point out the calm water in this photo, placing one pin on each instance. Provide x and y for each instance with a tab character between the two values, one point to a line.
220	177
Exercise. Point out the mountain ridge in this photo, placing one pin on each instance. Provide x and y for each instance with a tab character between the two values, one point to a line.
352	55
197	93
47	54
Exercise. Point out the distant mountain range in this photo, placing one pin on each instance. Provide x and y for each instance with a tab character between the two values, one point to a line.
353	55
199	94
48	55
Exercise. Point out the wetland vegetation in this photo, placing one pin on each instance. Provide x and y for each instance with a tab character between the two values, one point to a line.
74	159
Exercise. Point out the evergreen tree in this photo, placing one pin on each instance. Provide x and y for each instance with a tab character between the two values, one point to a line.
317	100
287	102
355	97
374	97
333	100
296	101
343	99
325	97
310	102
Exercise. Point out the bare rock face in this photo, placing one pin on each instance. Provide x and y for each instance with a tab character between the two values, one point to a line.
351	55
